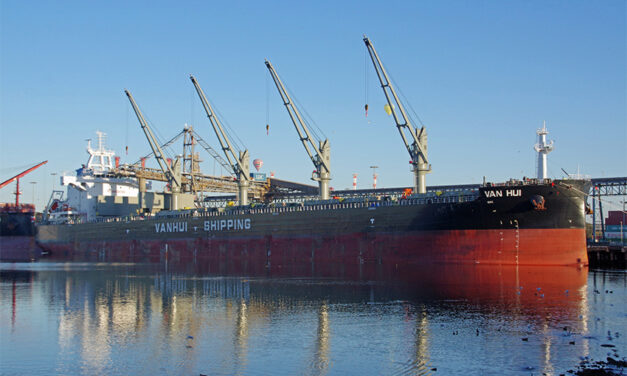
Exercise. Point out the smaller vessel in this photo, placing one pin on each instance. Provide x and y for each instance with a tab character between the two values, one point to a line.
17	225
17	232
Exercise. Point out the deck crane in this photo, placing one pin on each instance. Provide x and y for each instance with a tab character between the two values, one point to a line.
172	173
240	164
322	151
418	148
17	181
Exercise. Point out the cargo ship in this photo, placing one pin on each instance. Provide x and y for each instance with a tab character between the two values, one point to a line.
519	222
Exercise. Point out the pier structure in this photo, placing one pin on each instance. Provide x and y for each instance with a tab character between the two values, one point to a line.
603	256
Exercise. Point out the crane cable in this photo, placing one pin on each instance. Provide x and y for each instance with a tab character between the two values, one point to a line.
230	132
308	119
127	122
366	81
267	104
17	168
192	93
407	102
156	133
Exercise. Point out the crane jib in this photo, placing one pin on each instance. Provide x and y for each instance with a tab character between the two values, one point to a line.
322	155
154	145
419	137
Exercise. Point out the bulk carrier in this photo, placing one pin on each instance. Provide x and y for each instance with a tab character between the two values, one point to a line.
494	224
520	222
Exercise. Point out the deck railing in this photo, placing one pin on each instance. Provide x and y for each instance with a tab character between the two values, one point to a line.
369	203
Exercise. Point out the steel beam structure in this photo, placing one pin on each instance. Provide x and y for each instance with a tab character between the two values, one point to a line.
610	186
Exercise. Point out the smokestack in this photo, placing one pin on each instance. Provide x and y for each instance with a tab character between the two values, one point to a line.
354	182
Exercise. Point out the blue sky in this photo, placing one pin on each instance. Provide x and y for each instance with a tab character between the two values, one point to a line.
482	75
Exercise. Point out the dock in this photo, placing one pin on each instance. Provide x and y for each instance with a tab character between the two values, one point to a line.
607	256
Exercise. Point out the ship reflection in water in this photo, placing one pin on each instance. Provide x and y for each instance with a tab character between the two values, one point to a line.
108	318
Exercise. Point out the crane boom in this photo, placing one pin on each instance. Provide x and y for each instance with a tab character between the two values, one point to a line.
175	181
21	174
240	164
417	145
17	179
321	155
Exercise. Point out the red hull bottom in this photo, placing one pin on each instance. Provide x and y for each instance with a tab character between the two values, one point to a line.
503	247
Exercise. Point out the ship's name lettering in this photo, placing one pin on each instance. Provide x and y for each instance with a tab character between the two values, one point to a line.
171	227
228	224
508	193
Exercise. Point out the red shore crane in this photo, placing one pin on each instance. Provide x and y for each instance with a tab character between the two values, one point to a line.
17	179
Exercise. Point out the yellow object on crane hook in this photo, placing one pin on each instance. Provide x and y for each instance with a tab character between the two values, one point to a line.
388	109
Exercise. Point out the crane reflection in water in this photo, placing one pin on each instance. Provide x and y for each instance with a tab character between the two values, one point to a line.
205	318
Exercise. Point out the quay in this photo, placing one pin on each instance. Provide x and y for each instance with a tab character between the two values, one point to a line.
607	256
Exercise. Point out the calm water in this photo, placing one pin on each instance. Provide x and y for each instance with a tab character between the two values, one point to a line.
145	319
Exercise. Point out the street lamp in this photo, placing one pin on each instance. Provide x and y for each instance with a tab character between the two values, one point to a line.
53	174
622	223
33	183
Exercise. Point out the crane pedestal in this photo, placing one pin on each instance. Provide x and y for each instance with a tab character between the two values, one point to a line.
242	185
420	181
323	184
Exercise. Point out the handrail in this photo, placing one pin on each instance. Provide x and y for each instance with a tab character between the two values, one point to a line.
195	213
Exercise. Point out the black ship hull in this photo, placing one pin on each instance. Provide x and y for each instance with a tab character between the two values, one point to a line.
517	223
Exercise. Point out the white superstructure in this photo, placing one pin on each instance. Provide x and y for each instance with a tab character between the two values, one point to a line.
93	186
100	160
543	148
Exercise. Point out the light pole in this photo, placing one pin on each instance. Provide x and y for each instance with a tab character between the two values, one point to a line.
53	174
622	223
33	183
